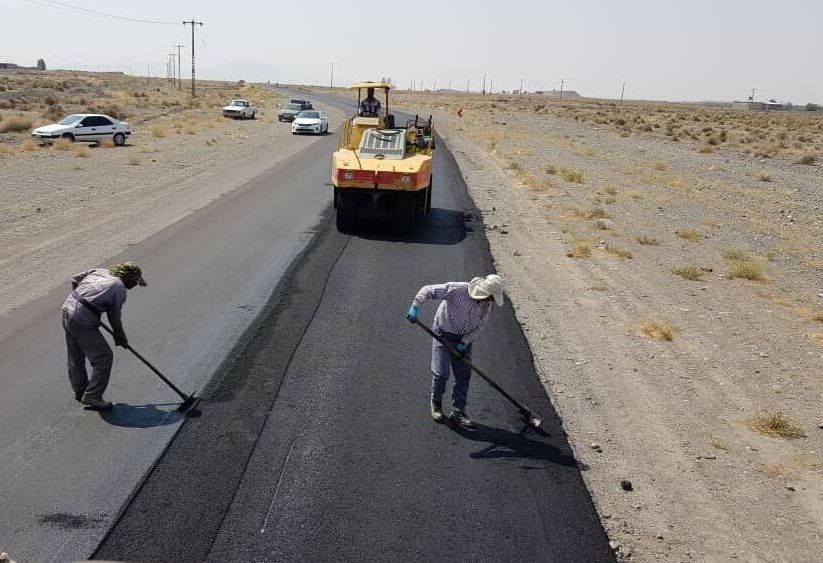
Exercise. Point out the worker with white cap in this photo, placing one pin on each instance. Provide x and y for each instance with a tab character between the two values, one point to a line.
463	312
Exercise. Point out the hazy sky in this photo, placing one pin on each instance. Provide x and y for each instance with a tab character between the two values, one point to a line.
663	49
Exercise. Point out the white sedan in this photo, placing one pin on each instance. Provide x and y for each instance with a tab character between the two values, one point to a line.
240	109
89	127
310	121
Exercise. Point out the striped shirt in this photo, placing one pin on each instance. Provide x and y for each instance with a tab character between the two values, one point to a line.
101	289
458	312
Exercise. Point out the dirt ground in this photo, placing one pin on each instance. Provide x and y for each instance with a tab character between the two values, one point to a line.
671	295
97	201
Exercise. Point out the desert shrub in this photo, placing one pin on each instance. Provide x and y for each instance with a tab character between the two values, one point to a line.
658	331
580	249
747	270
775	425
692	273
15	124
647	240
692	235
806	159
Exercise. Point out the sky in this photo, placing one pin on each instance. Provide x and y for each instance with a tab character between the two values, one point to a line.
662	49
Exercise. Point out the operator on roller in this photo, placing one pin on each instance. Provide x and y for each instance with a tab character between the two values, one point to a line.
463	312
370	106
95	292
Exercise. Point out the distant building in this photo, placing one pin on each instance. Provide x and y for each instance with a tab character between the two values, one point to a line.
8	66
771	105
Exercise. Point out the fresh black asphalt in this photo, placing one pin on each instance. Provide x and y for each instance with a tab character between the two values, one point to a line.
313	441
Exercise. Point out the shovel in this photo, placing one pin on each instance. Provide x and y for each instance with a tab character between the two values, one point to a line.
189	401
529	417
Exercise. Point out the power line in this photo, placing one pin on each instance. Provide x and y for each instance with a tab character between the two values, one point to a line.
66	7
193	24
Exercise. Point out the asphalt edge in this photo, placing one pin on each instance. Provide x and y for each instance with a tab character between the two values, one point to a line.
222	371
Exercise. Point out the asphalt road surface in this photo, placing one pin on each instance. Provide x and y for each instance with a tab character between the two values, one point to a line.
313	440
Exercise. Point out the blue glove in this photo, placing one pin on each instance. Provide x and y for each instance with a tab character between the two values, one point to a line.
461	347
412	314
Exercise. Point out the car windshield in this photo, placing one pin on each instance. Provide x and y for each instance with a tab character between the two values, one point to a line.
309	114
71	120
238	103
295	107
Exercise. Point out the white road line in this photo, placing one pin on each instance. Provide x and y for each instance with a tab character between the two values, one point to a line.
277	490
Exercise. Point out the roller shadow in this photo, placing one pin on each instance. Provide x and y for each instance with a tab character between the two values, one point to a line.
439	226
142	416
505	444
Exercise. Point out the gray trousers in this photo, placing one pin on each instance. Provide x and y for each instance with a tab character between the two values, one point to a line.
84	342
443	363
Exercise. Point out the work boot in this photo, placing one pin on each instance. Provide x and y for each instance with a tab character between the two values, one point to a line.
96	404
78	396
436	410
462	419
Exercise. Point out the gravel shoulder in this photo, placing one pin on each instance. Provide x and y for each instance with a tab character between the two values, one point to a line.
676	418
60	212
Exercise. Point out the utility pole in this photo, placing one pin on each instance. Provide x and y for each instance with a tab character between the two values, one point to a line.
331	77
484	84
467	85
179	68
174	76
491	86
193	24
520	92
450	85
622	91
562	81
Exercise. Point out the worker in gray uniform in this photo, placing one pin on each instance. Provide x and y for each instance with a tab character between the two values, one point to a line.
95	292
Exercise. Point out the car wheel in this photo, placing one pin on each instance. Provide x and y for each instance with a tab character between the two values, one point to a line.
68	136
119	139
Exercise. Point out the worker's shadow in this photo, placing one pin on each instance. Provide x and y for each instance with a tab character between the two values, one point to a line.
505	444
141	416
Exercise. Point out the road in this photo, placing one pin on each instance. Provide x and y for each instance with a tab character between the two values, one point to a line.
313	440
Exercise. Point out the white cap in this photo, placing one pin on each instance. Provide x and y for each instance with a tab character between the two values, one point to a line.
491	285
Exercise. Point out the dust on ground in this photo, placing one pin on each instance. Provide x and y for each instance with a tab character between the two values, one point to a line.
67	207
671	295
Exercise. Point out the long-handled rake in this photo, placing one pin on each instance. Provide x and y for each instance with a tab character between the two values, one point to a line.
529	416
189	401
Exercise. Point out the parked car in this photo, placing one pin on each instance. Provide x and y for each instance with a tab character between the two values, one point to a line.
305	104
288	112
240	109
311	121
89	127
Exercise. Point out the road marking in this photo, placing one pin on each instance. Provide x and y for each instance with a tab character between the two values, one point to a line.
277	490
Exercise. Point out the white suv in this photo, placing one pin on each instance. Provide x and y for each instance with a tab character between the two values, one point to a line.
89	127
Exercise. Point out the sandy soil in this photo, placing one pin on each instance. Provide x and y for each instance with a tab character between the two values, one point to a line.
676	418
61	212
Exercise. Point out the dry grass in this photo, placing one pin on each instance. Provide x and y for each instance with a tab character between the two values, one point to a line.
601	225
572	175
692	235
719	444
647	240
551	169
158	131
593	213
807	159
580	249
81	151
133	161
735	253
62	145
775	425
618	252
692	273
706	149
659	165
811	314
105	143
29	146
658	331
15	124
764	176
747	270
